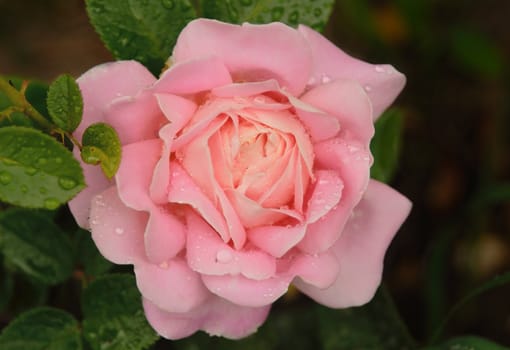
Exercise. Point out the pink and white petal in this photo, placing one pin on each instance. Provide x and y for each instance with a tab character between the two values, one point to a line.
276	240
135	118
172	286
103	83
96	182
178	110
135	173
383	82
353	166
250	52
196	74
246	89
116	229
208	254
165	236
216	317
247	292
347	101
183	190
326	194
361	248
319	270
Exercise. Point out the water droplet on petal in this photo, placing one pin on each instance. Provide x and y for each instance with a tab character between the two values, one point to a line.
325	79
223	256
5	178
368	88
164	265
379	69
119	230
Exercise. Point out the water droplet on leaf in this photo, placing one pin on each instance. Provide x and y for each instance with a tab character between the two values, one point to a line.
51	203
66	183
30	171
24	188
5	178
169	4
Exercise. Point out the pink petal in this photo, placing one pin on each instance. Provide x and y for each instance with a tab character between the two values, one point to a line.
319	270
208	254
172	286
196	74
184	191
250	52
96	183
352	163
216	317
246	89
346	100
178	110
276	240
165	236
361	248
382	82
104	83
135	173
247	292
116	229
325	195
135	118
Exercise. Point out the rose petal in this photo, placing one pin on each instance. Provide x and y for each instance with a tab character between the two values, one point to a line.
361	248
319	270
208	254
133	185
216	317
247	292
106	82
352	163
276	240
135	118
250	52
246	89
165	236
172	286
346	100
382	82
178	110
325	195
116	229
193	75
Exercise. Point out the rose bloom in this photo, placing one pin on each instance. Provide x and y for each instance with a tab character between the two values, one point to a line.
245	169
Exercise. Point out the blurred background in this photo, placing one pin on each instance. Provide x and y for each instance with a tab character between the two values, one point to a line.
454	163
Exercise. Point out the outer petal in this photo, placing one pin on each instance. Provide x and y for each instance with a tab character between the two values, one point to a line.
104	83
361	248
243	291
382	82
250	52
165	236
172	286
116	229
276	240
216	317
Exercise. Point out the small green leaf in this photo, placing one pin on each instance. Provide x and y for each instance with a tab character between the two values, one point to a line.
113	315
145	31
65	104
467	343
35	245
374	326
313	13
385	145
35	170
42	328
101	145
88	255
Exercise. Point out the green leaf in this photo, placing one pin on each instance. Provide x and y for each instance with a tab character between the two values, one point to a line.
313	13
467	343
42	328
113	315
385	145
145	31
374	326
101	145
6	286
65	104
88	255
35	170
35	245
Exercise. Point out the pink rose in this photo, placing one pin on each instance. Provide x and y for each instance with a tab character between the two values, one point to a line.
245	168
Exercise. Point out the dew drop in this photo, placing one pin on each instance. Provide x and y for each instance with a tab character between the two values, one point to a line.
42	161
30	171
5	178
164	265
169	4
66	183
43	190
24	188
368	88
379	69
51	203
325	79
223	256
311	81
119	230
